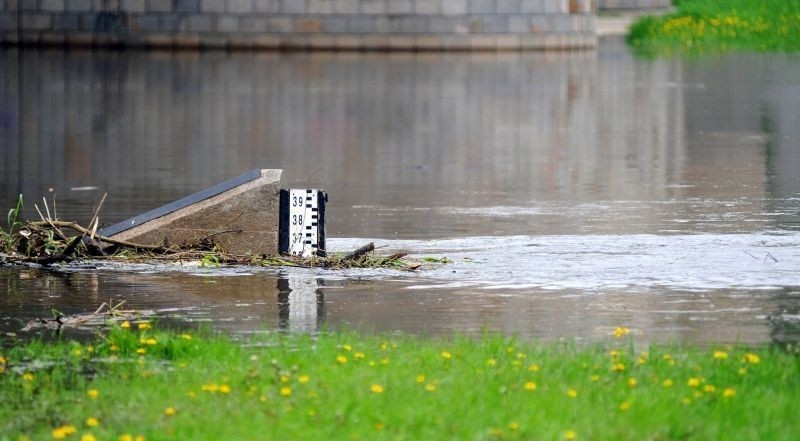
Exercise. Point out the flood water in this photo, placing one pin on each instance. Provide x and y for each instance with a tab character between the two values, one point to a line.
573	192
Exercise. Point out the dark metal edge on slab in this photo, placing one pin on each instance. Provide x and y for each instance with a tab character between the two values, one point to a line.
181	203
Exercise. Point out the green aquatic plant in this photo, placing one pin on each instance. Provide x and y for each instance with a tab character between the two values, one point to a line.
12	219
7	239
210	260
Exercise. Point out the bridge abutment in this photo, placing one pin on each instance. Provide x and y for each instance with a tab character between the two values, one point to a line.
302	24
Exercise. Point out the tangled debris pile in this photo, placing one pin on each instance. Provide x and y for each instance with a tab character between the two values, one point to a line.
51	241
107	313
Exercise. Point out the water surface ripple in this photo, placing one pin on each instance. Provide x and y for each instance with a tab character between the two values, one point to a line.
570	192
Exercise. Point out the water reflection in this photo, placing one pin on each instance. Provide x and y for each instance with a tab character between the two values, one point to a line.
305	302
415	134
597	146
301	304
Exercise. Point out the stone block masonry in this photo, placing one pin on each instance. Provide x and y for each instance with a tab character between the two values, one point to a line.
302	24
612	5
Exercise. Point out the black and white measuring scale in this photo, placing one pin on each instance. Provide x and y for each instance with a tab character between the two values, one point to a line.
302	229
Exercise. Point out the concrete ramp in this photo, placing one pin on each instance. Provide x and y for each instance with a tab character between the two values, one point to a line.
241	216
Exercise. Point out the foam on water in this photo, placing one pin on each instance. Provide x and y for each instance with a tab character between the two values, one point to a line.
596	262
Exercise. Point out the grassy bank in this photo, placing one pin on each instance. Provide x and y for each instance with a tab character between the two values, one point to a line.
138	383
719	25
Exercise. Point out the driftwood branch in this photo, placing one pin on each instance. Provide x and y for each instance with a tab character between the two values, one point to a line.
359	252
60	257
122	243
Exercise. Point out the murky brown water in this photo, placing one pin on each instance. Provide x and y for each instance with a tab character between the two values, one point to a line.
574	191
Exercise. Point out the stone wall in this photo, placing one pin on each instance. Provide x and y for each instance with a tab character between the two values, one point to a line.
303	24
633	4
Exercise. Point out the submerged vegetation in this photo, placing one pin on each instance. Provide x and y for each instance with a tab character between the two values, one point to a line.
139	383
721	25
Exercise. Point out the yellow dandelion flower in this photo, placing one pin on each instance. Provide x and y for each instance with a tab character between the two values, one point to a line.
530	385
284	378
420	378
624	406
145	325
570	435
151	341
693	382
384	361
752	358
534	367
64	431
620	332
572	393
491	362
170	411
77	352
666	357
347	347
619	367
720	355
522	355
113	348
341	359
210	387
614	354
595	377
286	391
376	389
667	383
446	355
141	351
224	389
125	437
632	382
2	360
140	438
125	325
88	437
742	371
92	422
384	346
729	392
710	389
186	336
430	387
27	376
303	379
513	426
358	356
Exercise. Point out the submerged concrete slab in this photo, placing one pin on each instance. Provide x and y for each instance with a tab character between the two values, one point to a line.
241	216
